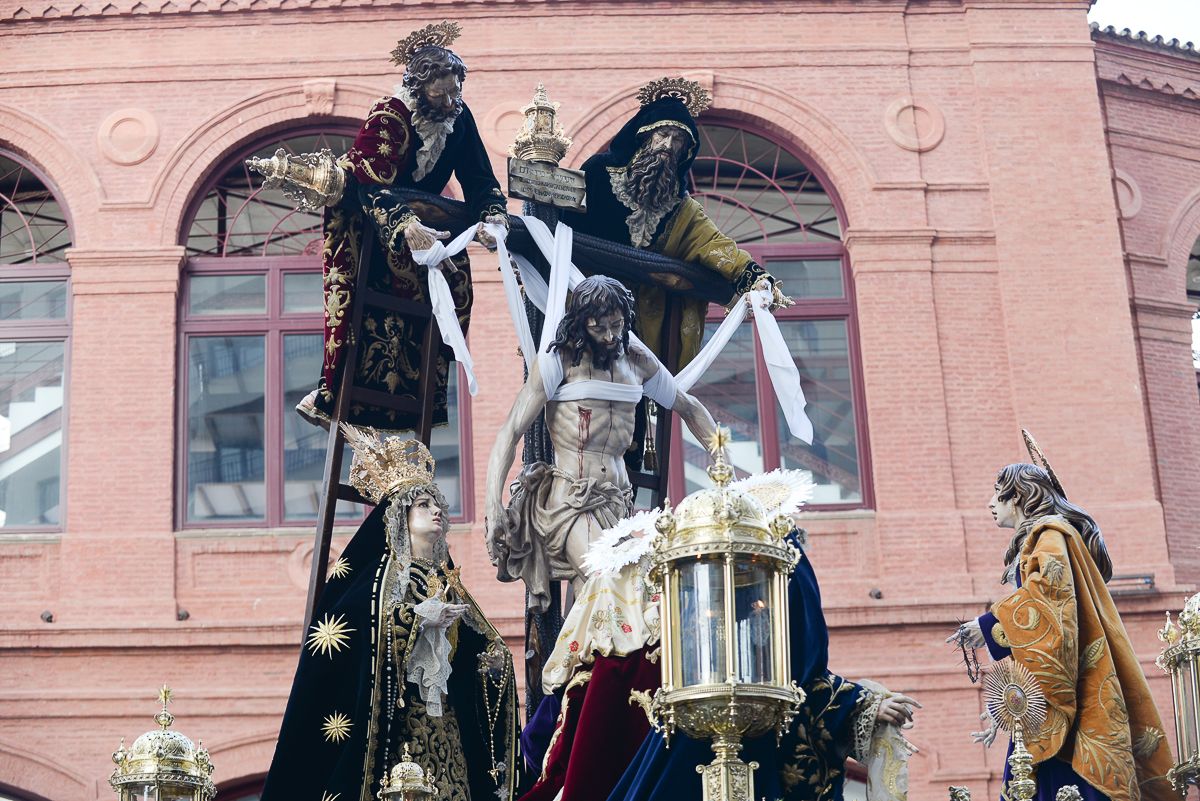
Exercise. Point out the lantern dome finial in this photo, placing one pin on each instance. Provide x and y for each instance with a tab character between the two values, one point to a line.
163	758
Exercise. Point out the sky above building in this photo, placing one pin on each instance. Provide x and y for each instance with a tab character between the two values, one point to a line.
1171	19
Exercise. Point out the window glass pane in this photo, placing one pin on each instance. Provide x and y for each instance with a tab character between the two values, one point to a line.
225	429
755	191
445	446
33	300
31	402
303	443
227	294
804	279
302	292
821	351
33	227
241	217
727	389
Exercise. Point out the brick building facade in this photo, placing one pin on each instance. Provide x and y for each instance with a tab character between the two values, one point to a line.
994	207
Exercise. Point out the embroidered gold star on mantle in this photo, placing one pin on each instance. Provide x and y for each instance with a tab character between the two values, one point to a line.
336	727
327	796
329	636
339	569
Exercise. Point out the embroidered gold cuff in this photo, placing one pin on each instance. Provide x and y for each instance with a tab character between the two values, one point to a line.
1000	637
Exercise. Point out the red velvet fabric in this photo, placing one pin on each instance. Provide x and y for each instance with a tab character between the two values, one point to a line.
601	731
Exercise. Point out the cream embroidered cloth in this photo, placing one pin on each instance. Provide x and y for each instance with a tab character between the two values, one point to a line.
614	614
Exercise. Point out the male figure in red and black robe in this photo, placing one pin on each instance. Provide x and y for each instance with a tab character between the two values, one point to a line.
415	138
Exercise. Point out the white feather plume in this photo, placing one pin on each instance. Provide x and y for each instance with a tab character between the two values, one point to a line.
781	492
623	544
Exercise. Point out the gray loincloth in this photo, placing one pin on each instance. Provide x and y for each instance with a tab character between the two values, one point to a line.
531	541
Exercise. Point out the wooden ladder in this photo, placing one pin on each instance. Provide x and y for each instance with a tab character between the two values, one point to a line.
348	392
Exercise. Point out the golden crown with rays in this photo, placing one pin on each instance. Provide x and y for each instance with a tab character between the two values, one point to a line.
691	94
386	465
1039	459
441	34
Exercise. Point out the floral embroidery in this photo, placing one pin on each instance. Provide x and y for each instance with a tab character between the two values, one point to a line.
574	646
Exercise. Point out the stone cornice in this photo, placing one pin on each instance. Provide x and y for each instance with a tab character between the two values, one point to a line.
50	10
140	271
271	636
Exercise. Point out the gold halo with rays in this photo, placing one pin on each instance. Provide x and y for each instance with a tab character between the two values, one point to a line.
441	34
1014	696
693	95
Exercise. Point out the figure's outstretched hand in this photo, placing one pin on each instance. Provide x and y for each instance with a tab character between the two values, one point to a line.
897	710
486	239
778	299
421	237
968	634
988	735
494	515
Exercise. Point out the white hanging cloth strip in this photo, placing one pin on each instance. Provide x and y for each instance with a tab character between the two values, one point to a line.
564	275
442	301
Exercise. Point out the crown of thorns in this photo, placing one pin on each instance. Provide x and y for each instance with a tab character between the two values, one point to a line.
442	34
693	95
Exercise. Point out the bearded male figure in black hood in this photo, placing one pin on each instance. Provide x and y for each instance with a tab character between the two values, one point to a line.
637	195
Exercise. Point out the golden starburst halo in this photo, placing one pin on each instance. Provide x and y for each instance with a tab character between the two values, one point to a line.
336	727
328	796
691	94
339	569
329	636
442	34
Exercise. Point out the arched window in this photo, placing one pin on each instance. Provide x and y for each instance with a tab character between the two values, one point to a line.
251	348
778	209
34	330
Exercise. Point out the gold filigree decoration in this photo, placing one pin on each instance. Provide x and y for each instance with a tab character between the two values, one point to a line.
442	34
339	569
329	636
693	95
336	727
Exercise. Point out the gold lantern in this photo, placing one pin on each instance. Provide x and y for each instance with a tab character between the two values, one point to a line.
407	782
163	765
1181	658
722	569
541	137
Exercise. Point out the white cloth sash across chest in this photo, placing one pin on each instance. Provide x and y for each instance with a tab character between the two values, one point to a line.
662	387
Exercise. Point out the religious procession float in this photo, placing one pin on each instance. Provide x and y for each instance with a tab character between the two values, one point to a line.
672	651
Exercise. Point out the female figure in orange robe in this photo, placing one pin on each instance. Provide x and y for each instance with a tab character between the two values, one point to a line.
1102	732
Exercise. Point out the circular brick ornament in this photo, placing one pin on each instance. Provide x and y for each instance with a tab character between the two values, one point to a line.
916	125
500	125
1129	196
128	136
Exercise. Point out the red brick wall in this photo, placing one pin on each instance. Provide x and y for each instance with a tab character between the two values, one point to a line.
993	288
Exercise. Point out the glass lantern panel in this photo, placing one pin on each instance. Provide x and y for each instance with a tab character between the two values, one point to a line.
753	621
699	629
1189	717
176	794
140	792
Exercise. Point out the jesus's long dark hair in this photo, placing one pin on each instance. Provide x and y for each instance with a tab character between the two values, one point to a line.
593	297
1036	496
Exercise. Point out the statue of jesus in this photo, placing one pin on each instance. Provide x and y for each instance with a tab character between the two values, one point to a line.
589	381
